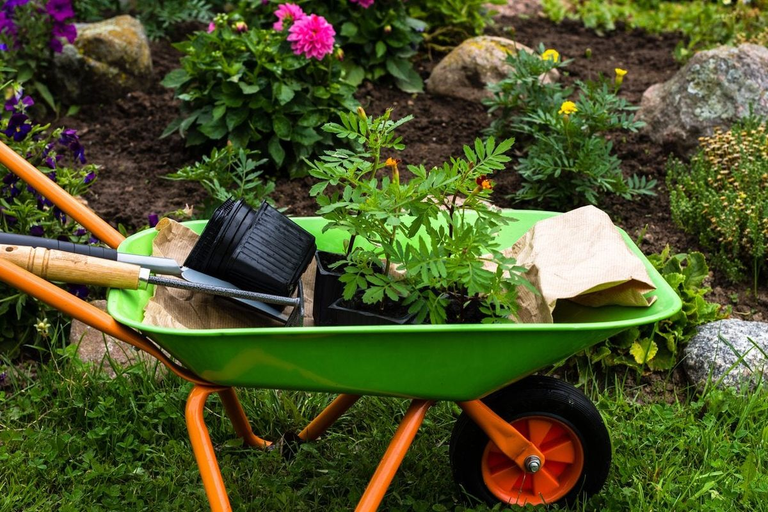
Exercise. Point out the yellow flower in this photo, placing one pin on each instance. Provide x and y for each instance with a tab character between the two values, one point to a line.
240	26
567	108
619	76
391	162
551	54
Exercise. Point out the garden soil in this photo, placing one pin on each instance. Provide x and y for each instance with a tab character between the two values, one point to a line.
123	137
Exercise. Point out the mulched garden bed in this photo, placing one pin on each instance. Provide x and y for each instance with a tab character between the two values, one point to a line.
124	139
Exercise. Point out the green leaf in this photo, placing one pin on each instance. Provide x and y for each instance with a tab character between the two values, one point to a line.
236	117
276	151
73	110
214	130
381	49
249	88
282	127
348	29
172	127
282	93
305	135
46	94
643	350
354	75
175	79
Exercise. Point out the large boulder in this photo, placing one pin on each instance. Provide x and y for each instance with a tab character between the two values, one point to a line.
108	60
714	89
730	352
470	67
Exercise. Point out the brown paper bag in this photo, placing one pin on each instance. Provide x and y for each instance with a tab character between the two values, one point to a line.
580	256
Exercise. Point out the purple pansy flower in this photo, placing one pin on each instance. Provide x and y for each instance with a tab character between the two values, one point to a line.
37	230
17	101
59	10
78	290
80	232
153	219
65	30
70	139
10	178
18	128
56	45
89	177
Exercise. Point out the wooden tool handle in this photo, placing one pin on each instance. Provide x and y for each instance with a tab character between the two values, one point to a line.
73	268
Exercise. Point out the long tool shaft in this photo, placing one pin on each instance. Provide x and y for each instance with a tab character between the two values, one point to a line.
224	292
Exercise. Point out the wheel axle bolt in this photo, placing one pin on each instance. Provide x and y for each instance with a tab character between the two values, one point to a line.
532	464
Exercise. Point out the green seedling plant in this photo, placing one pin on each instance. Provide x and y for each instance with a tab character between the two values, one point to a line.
228	173
434	234
569	160
251	87
720	197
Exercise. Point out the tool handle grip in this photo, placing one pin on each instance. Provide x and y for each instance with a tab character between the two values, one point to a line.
48	243
73	268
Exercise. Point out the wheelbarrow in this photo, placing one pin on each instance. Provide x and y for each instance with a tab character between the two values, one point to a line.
520	439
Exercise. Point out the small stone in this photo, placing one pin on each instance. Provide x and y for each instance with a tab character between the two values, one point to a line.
107	353
714	89
108	60
470	67
739	363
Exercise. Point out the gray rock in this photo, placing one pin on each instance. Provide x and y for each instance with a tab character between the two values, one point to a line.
470	67
107	353
715	88
739	365
108	60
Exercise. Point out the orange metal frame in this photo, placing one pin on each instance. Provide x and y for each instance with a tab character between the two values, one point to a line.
508	439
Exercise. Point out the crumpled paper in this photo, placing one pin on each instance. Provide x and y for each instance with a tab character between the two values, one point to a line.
184	309
580	256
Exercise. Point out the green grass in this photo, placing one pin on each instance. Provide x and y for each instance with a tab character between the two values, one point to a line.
70	440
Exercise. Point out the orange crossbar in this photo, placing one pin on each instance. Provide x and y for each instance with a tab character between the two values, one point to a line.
325	419
58	196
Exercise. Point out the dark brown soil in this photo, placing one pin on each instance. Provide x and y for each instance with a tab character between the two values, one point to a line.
123	137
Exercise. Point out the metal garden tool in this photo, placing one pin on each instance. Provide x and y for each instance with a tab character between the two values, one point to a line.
77	266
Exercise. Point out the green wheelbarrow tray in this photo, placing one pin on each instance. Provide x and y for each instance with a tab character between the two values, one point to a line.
434	362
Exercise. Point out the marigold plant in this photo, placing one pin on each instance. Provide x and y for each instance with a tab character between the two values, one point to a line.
721	197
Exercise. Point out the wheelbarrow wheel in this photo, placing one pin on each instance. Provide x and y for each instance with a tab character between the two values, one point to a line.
562	423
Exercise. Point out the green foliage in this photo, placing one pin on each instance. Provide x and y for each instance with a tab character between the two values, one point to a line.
159	17
23	320
657	346
704	23
449	22
569	162
228	173
721	197
433	253
377	42
250	89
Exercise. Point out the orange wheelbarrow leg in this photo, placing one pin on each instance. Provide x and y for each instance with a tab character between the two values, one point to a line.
394	455
239	419
328	417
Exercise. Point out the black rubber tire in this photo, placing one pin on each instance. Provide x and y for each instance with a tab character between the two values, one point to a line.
534	396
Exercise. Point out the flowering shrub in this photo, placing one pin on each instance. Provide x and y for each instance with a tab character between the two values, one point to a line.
61	156
377	37
260	88
228	173
568	161
434	233
721	197
31	31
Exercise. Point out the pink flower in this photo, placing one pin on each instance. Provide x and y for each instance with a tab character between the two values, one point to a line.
312	37
211	27
287	12
363	3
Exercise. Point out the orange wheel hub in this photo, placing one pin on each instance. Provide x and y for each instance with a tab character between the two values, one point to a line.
563	464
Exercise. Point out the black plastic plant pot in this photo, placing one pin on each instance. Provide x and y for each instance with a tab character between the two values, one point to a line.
328	288
342	315
259	250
